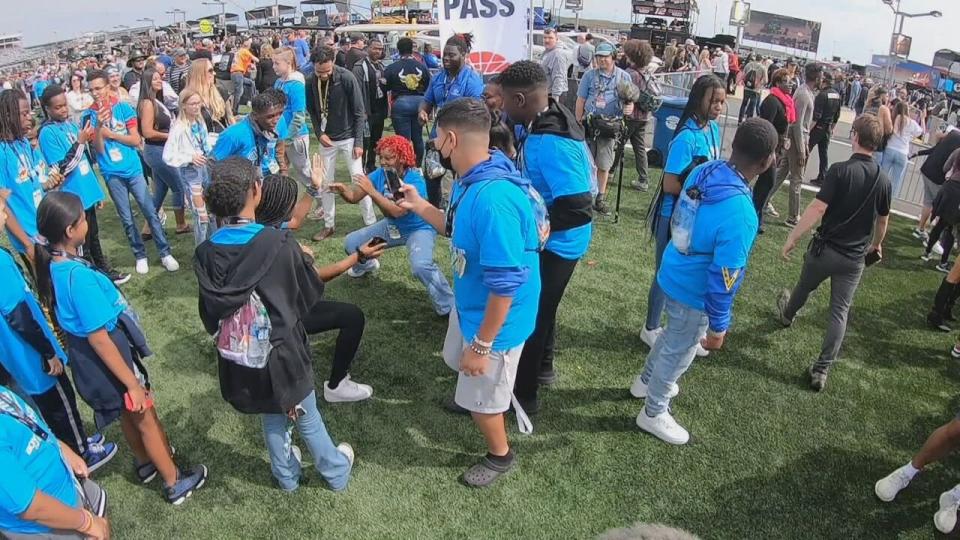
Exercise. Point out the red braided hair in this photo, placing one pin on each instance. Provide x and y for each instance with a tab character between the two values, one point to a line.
401	147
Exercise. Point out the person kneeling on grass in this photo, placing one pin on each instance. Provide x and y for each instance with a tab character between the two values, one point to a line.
714	225
256	289
105	343
400	227
40	496
496	274
944	440
277	203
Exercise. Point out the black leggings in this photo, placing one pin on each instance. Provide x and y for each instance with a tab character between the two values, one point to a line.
91	245
762	189
944	229
347	318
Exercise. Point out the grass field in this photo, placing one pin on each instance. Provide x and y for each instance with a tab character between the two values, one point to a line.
768	458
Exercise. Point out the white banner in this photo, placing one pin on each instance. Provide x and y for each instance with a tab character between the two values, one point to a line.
500	30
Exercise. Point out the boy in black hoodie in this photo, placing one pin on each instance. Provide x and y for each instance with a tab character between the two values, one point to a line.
243	258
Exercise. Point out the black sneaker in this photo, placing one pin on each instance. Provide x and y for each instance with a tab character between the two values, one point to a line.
938	323
118	278
600	207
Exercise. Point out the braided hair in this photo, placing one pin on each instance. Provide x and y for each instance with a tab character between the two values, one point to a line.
277	200
11	128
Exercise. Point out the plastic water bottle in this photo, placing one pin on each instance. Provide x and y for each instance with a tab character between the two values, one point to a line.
684	218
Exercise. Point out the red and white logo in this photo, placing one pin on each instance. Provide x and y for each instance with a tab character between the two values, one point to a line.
488	62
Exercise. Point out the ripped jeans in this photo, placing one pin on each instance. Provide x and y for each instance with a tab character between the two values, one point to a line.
195	180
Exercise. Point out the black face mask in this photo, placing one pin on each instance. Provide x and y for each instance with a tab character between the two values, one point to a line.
445	161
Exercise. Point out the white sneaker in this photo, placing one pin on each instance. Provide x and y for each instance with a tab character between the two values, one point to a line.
347	450
639	389
664	427
374	266
650	336
169	263
946	518
347	390
701	352
887	487
142	266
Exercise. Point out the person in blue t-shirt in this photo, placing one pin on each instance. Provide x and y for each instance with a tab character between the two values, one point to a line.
64	146
428	58
115	142
554	156
32	355
455	80
23	171
496	277
598	98
105	344
40	495
696	139
257	137
400	226
702	276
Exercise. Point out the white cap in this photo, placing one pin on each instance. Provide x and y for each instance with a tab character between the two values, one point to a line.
689	42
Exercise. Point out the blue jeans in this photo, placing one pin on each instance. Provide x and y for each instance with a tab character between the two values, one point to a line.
165	177
672	354
656	298
420	252
330	462
241	83
195	180
406	122
120	190
895	165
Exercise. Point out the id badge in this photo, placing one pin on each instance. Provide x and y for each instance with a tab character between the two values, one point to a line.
37	197
601	102
274	168
115	155
84	167
459	261
323	123
393	232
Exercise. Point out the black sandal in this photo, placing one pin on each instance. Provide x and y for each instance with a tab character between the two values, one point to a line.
485	473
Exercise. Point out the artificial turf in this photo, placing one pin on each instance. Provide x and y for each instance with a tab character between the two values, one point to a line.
768	457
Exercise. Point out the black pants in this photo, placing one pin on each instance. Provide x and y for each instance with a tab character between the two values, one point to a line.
58	406
942	232
732	82
92	251
435	191
347	318
370	143
749	105
762	189
820	137
635	135
537	356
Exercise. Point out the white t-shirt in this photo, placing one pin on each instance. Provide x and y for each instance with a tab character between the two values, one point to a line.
900	142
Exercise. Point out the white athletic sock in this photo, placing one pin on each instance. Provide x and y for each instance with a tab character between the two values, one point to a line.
910	470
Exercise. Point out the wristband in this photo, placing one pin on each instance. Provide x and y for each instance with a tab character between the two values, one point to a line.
484	344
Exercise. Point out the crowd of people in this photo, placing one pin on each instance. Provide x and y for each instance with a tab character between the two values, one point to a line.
508	173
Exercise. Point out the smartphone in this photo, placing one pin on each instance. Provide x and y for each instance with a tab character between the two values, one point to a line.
393	180
376	241
872	258
128	401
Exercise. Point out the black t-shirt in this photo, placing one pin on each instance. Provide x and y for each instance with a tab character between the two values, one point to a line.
847	225
937	157
201	53
407	77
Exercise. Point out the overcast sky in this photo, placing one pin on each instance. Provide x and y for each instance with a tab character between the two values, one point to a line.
853	29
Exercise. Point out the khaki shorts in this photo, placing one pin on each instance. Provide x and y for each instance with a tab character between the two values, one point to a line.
603	150
491	392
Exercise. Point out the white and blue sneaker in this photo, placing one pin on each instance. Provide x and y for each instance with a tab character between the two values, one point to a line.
186	484
98	454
